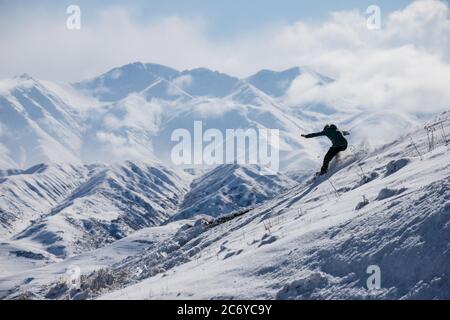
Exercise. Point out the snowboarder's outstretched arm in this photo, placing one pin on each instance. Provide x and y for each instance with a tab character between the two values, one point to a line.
313	135
346	133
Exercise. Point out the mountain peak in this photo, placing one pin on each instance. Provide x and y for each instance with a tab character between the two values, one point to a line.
19	82
206	82
246	93
24	76
134	77
295	71
274	83
136	64
119	82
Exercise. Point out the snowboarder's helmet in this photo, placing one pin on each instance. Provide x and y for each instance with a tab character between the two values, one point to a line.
333	127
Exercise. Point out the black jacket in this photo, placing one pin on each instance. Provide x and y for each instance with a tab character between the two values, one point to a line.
336	136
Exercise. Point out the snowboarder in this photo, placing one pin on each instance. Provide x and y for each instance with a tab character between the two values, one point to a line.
338	140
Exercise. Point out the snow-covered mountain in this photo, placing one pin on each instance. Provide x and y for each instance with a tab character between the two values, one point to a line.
389	208
37	125
67	209
118	83
276	83
130	112
229	188
87	179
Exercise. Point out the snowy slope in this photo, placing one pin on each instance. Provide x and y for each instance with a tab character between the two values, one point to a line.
88	262
230	188
36	124
70	209
276	83
115	201
202	82
165	90
66	209
32	193
309	242
17	257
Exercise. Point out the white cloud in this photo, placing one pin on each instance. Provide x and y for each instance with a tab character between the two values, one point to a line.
124	131
424	24
403	65
183	82
214	108
401	78
44	47
140	113
111	138
117	148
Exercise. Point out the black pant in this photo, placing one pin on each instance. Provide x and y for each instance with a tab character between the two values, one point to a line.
330	155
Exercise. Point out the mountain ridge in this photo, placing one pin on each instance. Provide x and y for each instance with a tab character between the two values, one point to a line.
56	122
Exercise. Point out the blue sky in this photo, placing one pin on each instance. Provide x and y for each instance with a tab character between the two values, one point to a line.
226	17
236	37
223	18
